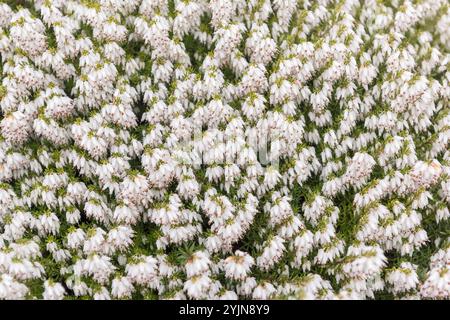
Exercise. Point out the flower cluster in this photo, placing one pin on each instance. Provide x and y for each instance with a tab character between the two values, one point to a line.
224	149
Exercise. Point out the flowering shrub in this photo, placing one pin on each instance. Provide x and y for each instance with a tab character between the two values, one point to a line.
224	149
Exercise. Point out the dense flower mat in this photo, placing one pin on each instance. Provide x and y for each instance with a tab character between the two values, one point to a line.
193	149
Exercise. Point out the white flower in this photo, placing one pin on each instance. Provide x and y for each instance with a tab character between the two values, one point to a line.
197	264
143	270
53	291
263	291
403	278
238	266
122	288
271	254
220	149
437	284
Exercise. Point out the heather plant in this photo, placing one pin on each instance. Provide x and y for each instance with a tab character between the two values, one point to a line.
224	149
